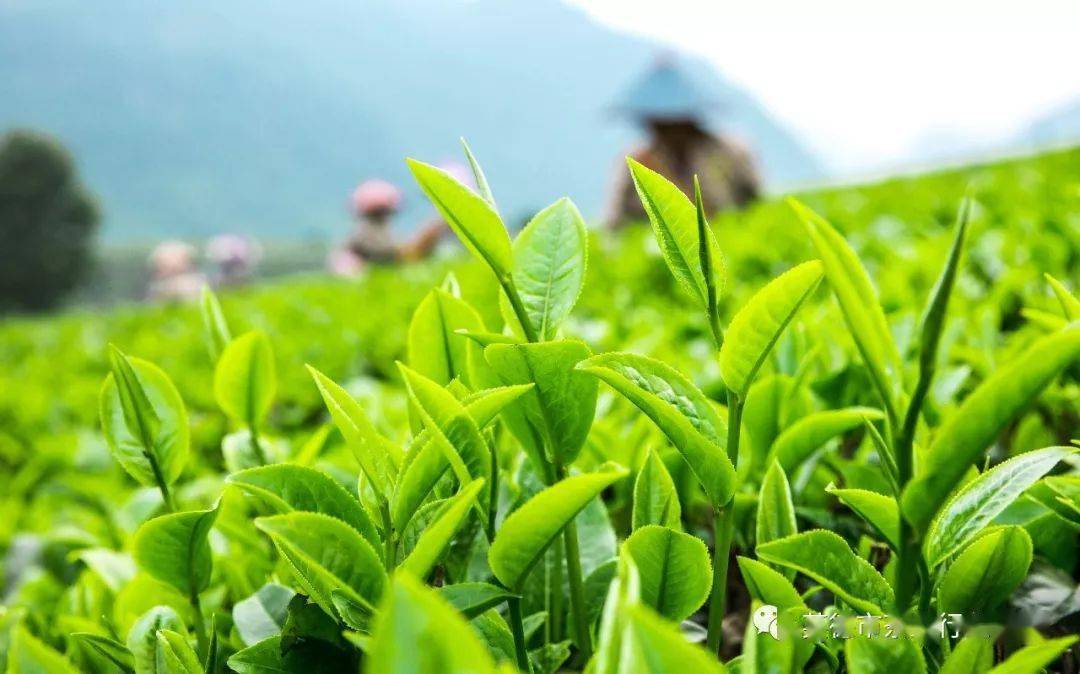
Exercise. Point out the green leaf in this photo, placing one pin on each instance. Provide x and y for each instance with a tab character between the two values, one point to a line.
215	327
674	222
528	531
1032	659
175	549
262	615
326	554
436	349
478	176
549	265
562	402
859	303
116	569
283	488
106	650
418	632
655	499
660	648
28	655
979	501
877	510
883	656
142	637
472	599
970	429
802	438
933	318
438	535
756	327
826	558
1070	306
974	654
624	592
245	379
270	656
144	420
712	267
768	586
776	510
473	219
174	655
674	567
986	573
679	409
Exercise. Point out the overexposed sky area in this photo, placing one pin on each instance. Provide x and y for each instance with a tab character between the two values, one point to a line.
869	85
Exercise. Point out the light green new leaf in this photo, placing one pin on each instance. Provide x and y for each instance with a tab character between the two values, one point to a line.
174	655
985	573
761	654
472	218
656	500
826	558
116	569
979	501
776	510
437	536
144	420
883	656
245	378
550	256
418	632
478	175
674	222
674	568
142	637
802	438
562	402
105	650
768	586
435	348
679	409
756	327
877	510
658	647
326	555
623	593
859	303
970	429
283	488
1070	306
1032	659
974	654
472	599
262	615
215	327
29	655
175	549
528	531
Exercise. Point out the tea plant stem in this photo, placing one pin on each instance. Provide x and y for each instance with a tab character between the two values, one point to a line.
519	308
517	626
723	530
908	553
256	446
163	487
200	624
390	545
577	581
493	494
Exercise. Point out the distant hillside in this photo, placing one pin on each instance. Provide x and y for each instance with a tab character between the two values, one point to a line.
190	118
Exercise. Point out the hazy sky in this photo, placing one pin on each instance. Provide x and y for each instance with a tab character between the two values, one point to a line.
867	84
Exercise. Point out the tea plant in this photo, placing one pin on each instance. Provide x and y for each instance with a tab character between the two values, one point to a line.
486	538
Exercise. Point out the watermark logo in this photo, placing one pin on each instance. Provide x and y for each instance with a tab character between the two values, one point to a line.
765	621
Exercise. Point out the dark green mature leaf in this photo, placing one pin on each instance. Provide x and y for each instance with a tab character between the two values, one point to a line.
418	632
262	615
674	222
549	265
655	499
768	586
472	599
674	568
142	637
111	653
659	647
756	327
883	656
28	655
245	378
877	510
284	488
986	573
979	501
174	549
215	327
472	218
969	430
562	402
174	655
973	655
776	510
326	555
679	409
436	349
437	536
270	657
528	531
144	420
826	558
802	438
1032	659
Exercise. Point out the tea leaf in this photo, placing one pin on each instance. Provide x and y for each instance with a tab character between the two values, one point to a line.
478	175
528	531
142	637
756	327
436	350
674	568
262	615
472	599
174	655
679	409
877	510
245	379
969	430
883	656
215	327
1070	306
979	501
826	558
175	550
655	499
974	654
802	438
107	650
550	256
624	592
767	585
270	656
659	647
326	555
986	573
1032	659
775	511
28	655
438	535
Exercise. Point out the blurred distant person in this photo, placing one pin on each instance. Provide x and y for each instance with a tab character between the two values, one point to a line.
234	256
175	278
673	109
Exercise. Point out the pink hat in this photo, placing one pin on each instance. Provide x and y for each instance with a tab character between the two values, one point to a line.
373	196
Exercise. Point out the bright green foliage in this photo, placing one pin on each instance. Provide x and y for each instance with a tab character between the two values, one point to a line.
972	655
174	655
767	586
262	615
986	572
175	549
28	655
472	599
657	647
674	569
436	350
1032	659
655	498
437	536
776	511
215	327
883	656
1070	306
877	510
104	652
142	637
245	379
806	435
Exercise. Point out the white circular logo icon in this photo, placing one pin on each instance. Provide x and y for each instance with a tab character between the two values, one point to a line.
765	620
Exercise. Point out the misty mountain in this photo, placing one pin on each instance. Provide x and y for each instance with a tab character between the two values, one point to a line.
196	117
